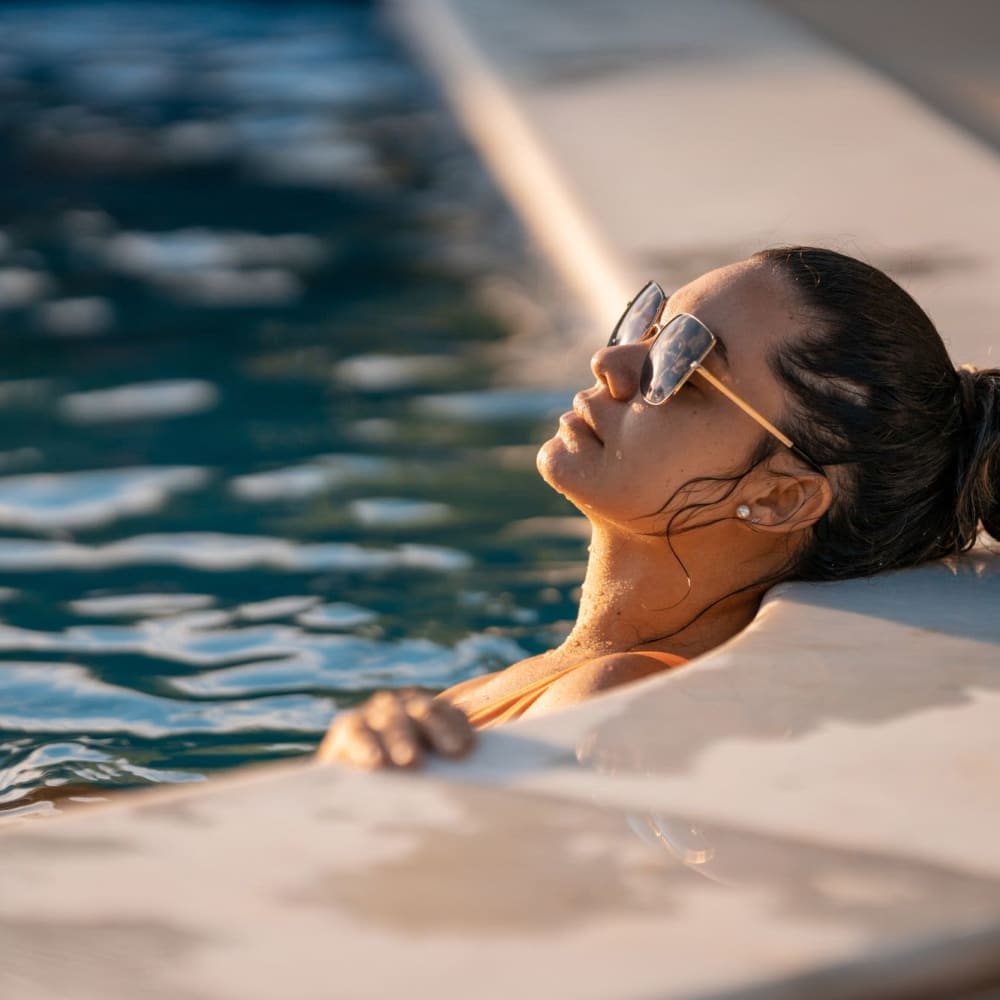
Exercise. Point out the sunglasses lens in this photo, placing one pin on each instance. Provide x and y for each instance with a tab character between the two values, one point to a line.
681	343
639	316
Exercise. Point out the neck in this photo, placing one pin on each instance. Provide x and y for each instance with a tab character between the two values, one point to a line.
636	595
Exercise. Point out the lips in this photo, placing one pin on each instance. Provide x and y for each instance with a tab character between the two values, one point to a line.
582	412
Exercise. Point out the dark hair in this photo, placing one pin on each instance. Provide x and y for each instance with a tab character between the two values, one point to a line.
912	445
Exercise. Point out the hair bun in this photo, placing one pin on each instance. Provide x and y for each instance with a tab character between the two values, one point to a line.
979	485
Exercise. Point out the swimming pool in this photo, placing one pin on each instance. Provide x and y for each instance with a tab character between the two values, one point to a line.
258	457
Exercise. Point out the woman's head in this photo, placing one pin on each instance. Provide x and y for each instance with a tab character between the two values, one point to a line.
844	362
687	466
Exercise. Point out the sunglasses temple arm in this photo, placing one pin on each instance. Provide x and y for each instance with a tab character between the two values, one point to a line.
753	414
802	456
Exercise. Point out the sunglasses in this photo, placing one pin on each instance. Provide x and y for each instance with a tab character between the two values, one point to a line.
677	349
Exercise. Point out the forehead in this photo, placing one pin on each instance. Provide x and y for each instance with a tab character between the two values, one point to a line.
747	305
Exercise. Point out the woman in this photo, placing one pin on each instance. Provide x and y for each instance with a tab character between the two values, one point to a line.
791	416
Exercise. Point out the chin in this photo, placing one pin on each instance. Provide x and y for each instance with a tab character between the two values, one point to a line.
562	468
583	480
552	457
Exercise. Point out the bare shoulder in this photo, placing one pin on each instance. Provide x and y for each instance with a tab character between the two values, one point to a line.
477	691
457	693
600	674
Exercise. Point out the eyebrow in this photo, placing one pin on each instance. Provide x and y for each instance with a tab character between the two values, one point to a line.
721	349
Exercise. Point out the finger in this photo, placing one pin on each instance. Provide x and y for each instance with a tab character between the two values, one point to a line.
352	741
444	727
386	716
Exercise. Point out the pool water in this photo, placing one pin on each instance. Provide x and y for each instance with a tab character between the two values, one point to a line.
259	453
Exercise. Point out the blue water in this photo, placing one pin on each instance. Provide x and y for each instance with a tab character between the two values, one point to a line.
257	455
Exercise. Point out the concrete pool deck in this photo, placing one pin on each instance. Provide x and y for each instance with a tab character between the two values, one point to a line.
809	811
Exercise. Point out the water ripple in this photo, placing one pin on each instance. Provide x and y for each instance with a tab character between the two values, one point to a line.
213	551
195	249
351	663
307	659
142	401
339	616
319	475
61	762
276	607
399	512
50	501
384	373
139	605
496	404
67	698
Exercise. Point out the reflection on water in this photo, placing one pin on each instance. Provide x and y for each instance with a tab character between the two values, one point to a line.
89	499
255	458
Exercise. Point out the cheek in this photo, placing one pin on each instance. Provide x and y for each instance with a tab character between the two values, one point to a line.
645	460
665	441
692	442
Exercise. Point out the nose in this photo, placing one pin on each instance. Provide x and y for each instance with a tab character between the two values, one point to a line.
620	368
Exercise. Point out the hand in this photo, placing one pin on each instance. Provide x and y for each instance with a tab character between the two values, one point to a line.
393	728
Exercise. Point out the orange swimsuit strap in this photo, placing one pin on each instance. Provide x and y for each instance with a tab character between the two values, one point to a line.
518	702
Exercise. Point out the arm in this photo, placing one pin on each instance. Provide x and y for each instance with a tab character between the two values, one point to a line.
395	728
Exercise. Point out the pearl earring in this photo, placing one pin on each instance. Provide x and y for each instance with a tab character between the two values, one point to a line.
743	511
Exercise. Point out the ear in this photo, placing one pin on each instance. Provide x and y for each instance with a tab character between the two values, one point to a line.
788	497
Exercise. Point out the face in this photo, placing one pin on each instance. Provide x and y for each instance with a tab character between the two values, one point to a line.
621	459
